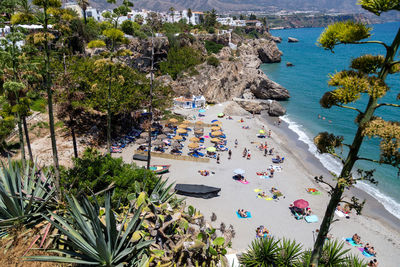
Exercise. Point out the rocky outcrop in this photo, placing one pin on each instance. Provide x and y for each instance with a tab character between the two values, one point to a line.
234	109
292	40
237	76
274	108
276	39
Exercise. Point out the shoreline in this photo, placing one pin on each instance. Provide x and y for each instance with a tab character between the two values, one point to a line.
296	175
373	208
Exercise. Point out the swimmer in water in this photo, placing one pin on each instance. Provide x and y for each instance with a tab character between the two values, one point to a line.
323	118
319	116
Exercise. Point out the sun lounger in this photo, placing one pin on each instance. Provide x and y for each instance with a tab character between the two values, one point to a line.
311	218
297	216
247	213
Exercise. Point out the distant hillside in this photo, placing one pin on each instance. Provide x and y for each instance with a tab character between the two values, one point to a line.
241	5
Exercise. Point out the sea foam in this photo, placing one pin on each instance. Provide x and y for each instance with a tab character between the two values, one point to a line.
334	165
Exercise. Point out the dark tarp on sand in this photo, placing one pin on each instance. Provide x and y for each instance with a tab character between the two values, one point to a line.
197	190
140	157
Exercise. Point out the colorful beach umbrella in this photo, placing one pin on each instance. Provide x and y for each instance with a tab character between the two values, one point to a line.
199	123
158	143
184	126
216	123
186	122
194	139
301	204
173	120
221	114
215	140
199	131
180	131
215	128
217	133
178	137
211	149
193	145
261	131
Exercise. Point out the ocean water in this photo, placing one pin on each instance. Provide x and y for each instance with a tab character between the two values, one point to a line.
307	82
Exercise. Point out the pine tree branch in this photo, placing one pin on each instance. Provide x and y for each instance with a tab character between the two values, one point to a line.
356	109
388	104
367	159
373	42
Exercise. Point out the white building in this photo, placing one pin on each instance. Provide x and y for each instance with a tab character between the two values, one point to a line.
4	31
194	102
93	13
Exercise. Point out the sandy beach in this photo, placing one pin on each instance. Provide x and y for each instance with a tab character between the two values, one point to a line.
296	175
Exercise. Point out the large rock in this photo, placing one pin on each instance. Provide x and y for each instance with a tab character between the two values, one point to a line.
276	39
292	40
266	50
234	109
276	109
264	88
273	107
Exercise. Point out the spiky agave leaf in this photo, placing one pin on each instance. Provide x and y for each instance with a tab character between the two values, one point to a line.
263	252
92	242
333	254
290	252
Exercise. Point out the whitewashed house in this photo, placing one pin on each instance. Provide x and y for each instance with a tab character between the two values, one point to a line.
187	103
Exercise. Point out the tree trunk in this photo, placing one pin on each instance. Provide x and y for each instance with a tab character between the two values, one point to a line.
47	83
84	16
351	157
109	111
72	126
28	142
151	100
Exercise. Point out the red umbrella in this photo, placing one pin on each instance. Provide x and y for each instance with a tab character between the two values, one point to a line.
301	204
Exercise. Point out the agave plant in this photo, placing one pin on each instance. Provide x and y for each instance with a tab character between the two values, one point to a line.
263	252
289	253
24	196
354	261
90	241
333	254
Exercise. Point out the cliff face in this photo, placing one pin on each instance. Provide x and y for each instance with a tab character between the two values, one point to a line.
237	76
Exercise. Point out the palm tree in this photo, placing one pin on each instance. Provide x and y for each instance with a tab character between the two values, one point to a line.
84	4
189	14
172	10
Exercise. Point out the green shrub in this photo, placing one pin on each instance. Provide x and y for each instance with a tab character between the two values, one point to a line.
180	59
39	105
130	27
213	61
94	172
212	47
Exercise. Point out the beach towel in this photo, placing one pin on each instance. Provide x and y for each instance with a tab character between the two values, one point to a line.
257	190
247	213
366	254
351	242
311	218
243	182
266	198
315	193
339	213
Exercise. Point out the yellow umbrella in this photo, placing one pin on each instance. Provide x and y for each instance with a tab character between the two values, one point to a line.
215	128
194	139
181	131
199	132
177	137
215	140
182	126
186	122
217	123
193	145
199	122
173	120
217	133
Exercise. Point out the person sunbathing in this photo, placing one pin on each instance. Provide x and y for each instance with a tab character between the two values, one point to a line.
274	190
357	239
308	212
242	213
262	194
371	251
204	172
339	208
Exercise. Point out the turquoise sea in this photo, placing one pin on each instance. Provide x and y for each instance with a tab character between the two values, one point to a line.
307	82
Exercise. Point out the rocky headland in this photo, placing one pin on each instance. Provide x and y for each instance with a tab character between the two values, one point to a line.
237	77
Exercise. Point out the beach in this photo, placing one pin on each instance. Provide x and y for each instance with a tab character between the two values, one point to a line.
298	171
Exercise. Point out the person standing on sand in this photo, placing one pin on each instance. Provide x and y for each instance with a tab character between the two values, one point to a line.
236	143
229	154
269	134
271	151
217	158
244	152
248	154
265	151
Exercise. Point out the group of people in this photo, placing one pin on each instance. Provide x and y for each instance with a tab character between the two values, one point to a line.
367	248
373	263
261	231
242	213
204	172
246	153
